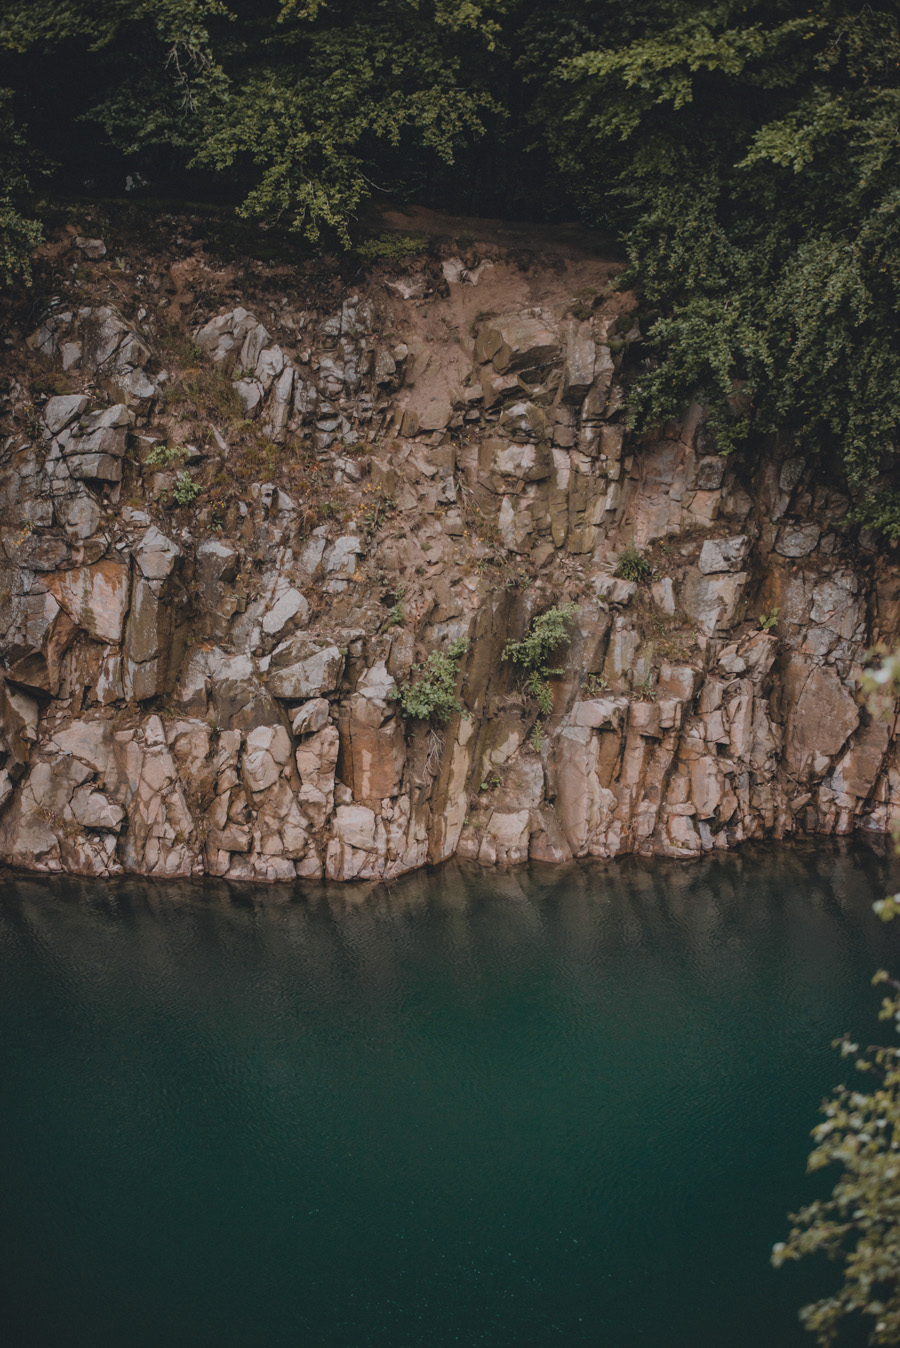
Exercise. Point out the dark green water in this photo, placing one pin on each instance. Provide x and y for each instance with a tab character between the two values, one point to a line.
557	1107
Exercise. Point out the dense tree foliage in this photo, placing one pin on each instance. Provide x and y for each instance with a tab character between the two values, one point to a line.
755	159
18	234
746	153
303	106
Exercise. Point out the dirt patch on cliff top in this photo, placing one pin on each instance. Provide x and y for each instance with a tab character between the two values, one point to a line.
478	269
565	240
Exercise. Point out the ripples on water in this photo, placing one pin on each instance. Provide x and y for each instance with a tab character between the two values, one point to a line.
548	1107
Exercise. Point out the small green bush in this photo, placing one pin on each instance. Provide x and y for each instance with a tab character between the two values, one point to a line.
632	566
430	692
532	653
389	247
163	456
186	490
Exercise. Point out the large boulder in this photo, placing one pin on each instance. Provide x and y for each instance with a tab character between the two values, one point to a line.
712	601
821	718
581	361
95	598
304	667
520	341
723	554
156	555
375	752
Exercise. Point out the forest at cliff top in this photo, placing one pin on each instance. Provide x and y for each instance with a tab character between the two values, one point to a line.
744	153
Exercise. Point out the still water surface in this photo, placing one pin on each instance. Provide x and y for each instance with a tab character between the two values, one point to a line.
548	1108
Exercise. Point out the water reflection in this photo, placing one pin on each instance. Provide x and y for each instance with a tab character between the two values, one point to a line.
550	1105
808	900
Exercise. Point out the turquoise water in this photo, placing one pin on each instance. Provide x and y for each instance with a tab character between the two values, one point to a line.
545	1108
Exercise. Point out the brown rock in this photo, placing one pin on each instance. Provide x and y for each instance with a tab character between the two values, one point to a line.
520	341
95	598
822	716
856	772
712	601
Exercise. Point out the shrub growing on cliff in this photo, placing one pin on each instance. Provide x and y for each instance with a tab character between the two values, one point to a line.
186	490
632	566
430	692
547	631
391	248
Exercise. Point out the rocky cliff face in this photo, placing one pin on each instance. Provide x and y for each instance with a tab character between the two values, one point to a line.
238	509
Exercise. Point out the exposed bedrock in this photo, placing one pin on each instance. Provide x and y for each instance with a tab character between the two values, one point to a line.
202	642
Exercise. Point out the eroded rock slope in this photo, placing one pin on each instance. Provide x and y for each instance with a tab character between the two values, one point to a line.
236	511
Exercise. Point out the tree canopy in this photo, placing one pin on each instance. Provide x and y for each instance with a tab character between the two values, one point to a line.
755	163
745	153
